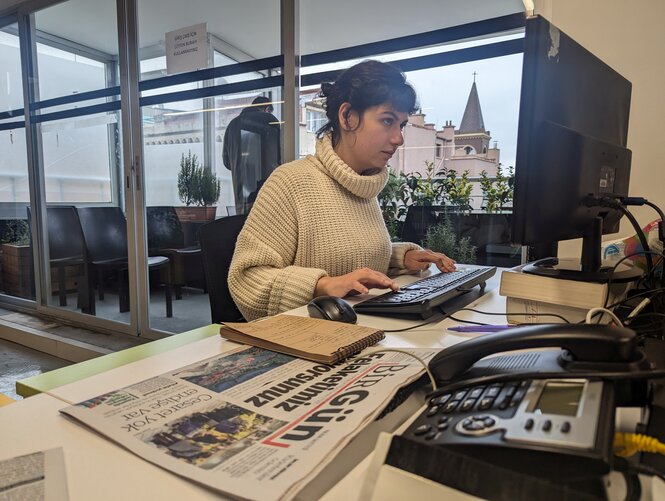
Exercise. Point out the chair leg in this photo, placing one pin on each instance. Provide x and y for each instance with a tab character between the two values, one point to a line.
100	284
123	291
169	300
62	286
87	293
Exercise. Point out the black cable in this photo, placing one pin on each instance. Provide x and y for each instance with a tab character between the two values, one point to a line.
624	465
613	270
639	294
505	314
640	234
591	375
431	321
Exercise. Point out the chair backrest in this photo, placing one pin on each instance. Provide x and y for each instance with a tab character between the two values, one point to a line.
164	228
104	231
218	241
65	238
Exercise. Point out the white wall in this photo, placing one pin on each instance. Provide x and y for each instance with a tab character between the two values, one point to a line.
629	36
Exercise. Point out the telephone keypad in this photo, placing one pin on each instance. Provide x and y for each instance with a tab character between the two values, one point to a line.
467	405
472	404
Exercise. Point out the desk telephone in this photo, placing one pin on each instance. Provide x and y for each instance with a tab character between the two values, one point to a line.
553	425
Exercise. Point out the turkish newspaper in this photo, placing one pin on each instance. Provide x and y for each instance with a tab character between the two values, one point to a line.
251	423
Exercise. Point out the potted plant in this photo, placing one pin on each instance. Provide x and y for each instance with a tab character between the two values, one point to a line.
17	259
393	202
442	237
198	189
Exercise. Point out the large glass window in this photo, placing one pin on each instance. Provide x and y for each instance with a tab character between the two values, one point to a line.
17	277
185	116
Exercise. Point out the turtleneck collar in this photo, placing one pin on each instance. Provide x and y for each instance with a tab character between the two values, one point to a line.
336	168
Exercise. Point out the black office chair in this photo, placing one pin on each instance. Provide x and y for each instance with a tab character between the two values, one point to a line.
67	250
218	241
105	235
167	238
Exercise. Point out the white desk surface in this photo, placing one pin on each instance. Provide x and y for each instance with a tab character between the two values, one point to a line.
97	465
96	468
433	335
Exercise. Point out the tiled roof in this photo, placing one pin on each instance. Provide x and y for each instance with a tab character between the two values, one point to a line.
472	121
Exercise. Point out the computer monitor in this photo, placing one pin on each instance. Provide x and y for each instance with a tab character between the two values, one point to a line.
571	152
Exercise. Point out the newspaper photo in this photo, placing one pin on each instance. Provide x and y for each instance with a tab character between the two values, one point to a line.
251	423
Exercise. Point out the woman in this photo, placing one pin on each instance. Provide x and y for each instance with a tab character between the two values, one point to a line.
316	227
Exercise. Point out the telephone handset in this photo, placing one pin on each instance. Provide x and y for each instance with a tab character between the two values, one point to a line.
586	347
532	420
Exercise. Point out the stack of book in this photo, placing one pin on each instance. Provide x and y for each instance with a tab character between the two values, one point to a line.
529	297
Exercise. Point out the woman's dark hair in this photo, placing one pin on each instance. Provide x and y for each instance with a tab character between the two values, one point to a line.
364	85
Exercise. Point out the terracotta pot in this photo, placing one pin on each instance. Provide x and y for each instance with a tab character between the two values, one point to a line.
196	213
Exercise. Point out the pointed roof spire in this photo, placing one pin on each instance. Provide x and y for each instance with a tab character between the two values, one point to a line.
472	121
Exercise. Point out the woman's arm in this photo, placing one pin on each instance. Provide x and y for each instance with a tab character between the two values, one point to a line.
262	278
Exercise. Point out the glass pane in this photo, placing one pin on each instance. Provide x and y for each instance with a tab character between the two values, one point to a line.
81	157
376	20
16	249
190	132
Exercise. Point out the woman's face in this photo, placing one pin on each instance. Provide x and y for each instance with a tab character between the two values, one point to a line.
369	140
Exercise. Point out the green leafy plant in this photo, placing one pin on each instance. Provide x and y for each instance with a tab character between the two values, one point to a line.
443	238
187	178
197	185
458	189
497	192
393	202
16	232
427	189
207	187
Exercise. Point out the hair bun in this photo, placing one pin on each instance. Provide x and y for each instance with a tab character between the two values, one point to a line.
325	88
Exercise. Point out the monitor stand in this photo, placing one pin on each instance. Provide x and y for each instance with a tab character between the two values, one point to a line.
590	268
570	269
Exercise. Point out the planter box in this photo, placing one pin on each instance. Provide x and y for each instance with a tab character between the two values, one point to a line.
196	213
490	233
17	270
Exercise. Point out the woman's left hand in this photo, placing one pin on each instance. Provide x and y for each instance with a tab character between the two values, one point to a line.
421	259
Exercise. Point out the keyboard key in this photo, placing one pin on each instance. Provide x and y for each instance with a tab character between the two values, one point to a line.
422	429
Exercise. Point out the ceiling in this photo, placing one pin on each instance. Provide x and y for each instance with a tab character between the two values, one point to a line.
252	26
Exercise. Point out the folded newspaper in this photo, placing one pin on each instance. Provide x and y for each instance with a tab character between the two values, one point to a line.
252	423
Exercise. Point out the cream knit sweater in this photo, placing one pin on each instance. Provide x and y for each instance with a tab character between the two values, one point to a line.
314	217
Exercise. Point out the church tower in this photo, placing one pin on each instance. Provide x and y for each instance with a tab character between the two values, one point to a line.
471	138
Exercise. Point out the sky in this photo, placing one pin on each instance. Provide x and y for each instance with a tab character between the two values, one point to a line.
444	91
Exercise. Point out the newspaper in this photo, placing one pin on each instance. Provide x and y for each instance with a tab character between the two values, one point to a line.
39	476
251	423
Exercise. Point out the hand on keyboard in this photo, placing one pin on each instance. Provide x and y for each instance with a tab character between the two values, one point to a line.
358	281
421	259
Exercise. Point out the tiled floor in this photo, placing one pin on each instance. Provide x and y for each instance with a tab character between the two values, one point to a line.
18	362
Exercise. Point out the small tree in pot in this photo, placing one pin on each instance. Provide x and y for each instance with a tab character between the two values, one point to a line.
198	186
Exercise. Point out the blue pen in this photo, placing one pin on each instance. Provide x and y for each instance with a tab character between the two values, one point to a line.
480	328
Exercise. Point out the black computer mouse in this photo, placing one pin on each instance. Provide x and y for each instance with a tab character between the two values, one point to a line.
332	308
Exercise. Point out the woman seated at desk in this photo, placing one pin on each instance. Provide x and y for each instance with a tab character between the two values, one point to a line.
316	227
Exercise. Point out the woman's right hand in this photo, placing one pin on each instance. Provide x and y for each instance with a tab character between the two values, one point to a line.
356	282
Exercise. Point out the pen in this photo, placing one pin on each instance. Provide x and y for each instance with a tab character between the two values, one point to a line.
480	328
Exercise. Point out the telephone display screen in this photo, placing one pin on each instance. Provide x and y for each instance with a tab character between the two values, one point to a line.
560	398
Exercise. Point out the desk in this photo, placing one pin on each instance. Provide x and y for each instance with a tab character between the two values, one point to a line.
35	423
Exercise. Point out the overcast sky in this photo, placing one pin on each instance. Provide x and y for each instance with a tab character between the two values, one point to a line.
444	91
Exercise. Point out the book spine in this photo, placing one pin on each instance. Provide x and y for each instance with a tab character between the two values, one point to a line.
358	346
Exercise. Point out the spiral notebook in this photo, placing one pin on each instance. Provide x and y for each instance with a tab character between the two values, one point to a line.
303	337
